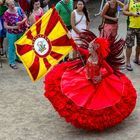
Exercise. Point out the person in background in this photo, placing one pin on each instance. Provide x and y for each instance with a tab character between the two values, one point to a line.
25	5
44	5
14	23
110	19
3	8
79	21
52	3
132	10
65	8
36	11
16	3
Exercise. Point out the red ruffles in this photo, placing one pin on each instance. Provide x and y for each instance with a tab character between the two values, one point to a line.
82	117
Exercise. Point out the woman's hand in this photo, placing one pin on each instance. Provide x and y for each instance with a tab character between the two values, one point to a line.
115	19
14	27
134	15
19	23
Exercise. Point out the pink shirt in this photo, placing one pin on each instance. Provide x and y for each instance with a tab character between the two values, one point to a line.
12	18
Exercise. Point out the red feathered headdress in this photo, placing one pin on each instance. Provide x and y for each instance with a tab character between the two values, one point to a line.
103	49
111	51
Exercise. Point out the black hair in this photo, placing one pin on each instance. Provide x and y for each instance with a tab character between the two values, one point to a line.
32	4
84	10
41	3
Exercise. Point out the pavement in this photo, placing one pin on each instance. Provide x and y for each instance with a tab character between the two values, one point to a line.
25	114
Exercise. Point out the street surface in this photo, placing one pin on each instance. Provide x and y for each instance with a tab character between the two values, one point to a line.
25	114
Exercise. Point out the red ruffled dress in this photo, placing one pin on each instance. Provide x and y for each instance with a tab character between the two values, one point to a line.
85	104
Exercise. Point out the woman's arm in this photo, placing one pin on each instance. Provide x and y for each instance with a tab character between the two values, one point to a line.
127	13
22	22
120	3
88	25
32	19
6	26
24	19
103	14
108	68
73	23
22	14
88	22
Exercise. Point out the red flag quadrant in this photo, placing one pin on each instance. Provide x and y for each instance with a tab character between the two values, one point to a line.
44	45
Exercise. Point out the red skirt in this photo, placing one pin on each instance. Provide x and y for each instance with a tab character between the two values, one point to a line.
86	105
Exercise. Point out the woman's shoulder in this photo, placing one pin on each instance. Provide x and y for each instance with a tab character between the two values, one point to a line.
6	15
32	15
74	12
107	5
41	9
7	12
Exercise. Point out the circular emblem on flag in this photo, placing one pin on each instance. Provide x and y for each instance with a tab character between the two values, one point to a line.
42	45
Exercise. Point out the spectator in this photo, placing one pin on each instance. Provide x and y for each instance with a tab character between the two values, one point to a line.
14	22
16	3
132	10
79	21
36	11
110	19
25	5
45	5
52	2
64	8
3	8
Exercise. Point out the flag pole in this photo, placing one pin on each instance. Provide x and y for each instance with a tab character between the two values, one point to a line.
75	47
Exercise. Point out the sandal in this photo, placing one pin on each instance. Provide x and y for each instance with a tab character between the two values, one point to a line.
136	62
129	68
13	66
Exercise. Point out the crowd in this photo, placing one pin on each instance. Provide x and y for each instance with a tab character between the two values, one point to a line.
16	16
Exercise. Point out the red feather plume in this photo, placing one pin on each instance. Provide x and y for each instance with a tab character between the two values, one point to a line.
112	50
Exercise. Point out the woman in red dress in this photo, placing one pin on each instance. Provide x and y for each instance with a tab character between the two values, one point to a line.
91	93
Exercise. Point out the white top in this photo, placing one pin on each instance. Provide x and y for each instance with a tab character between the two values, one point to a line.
80	26
45	9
